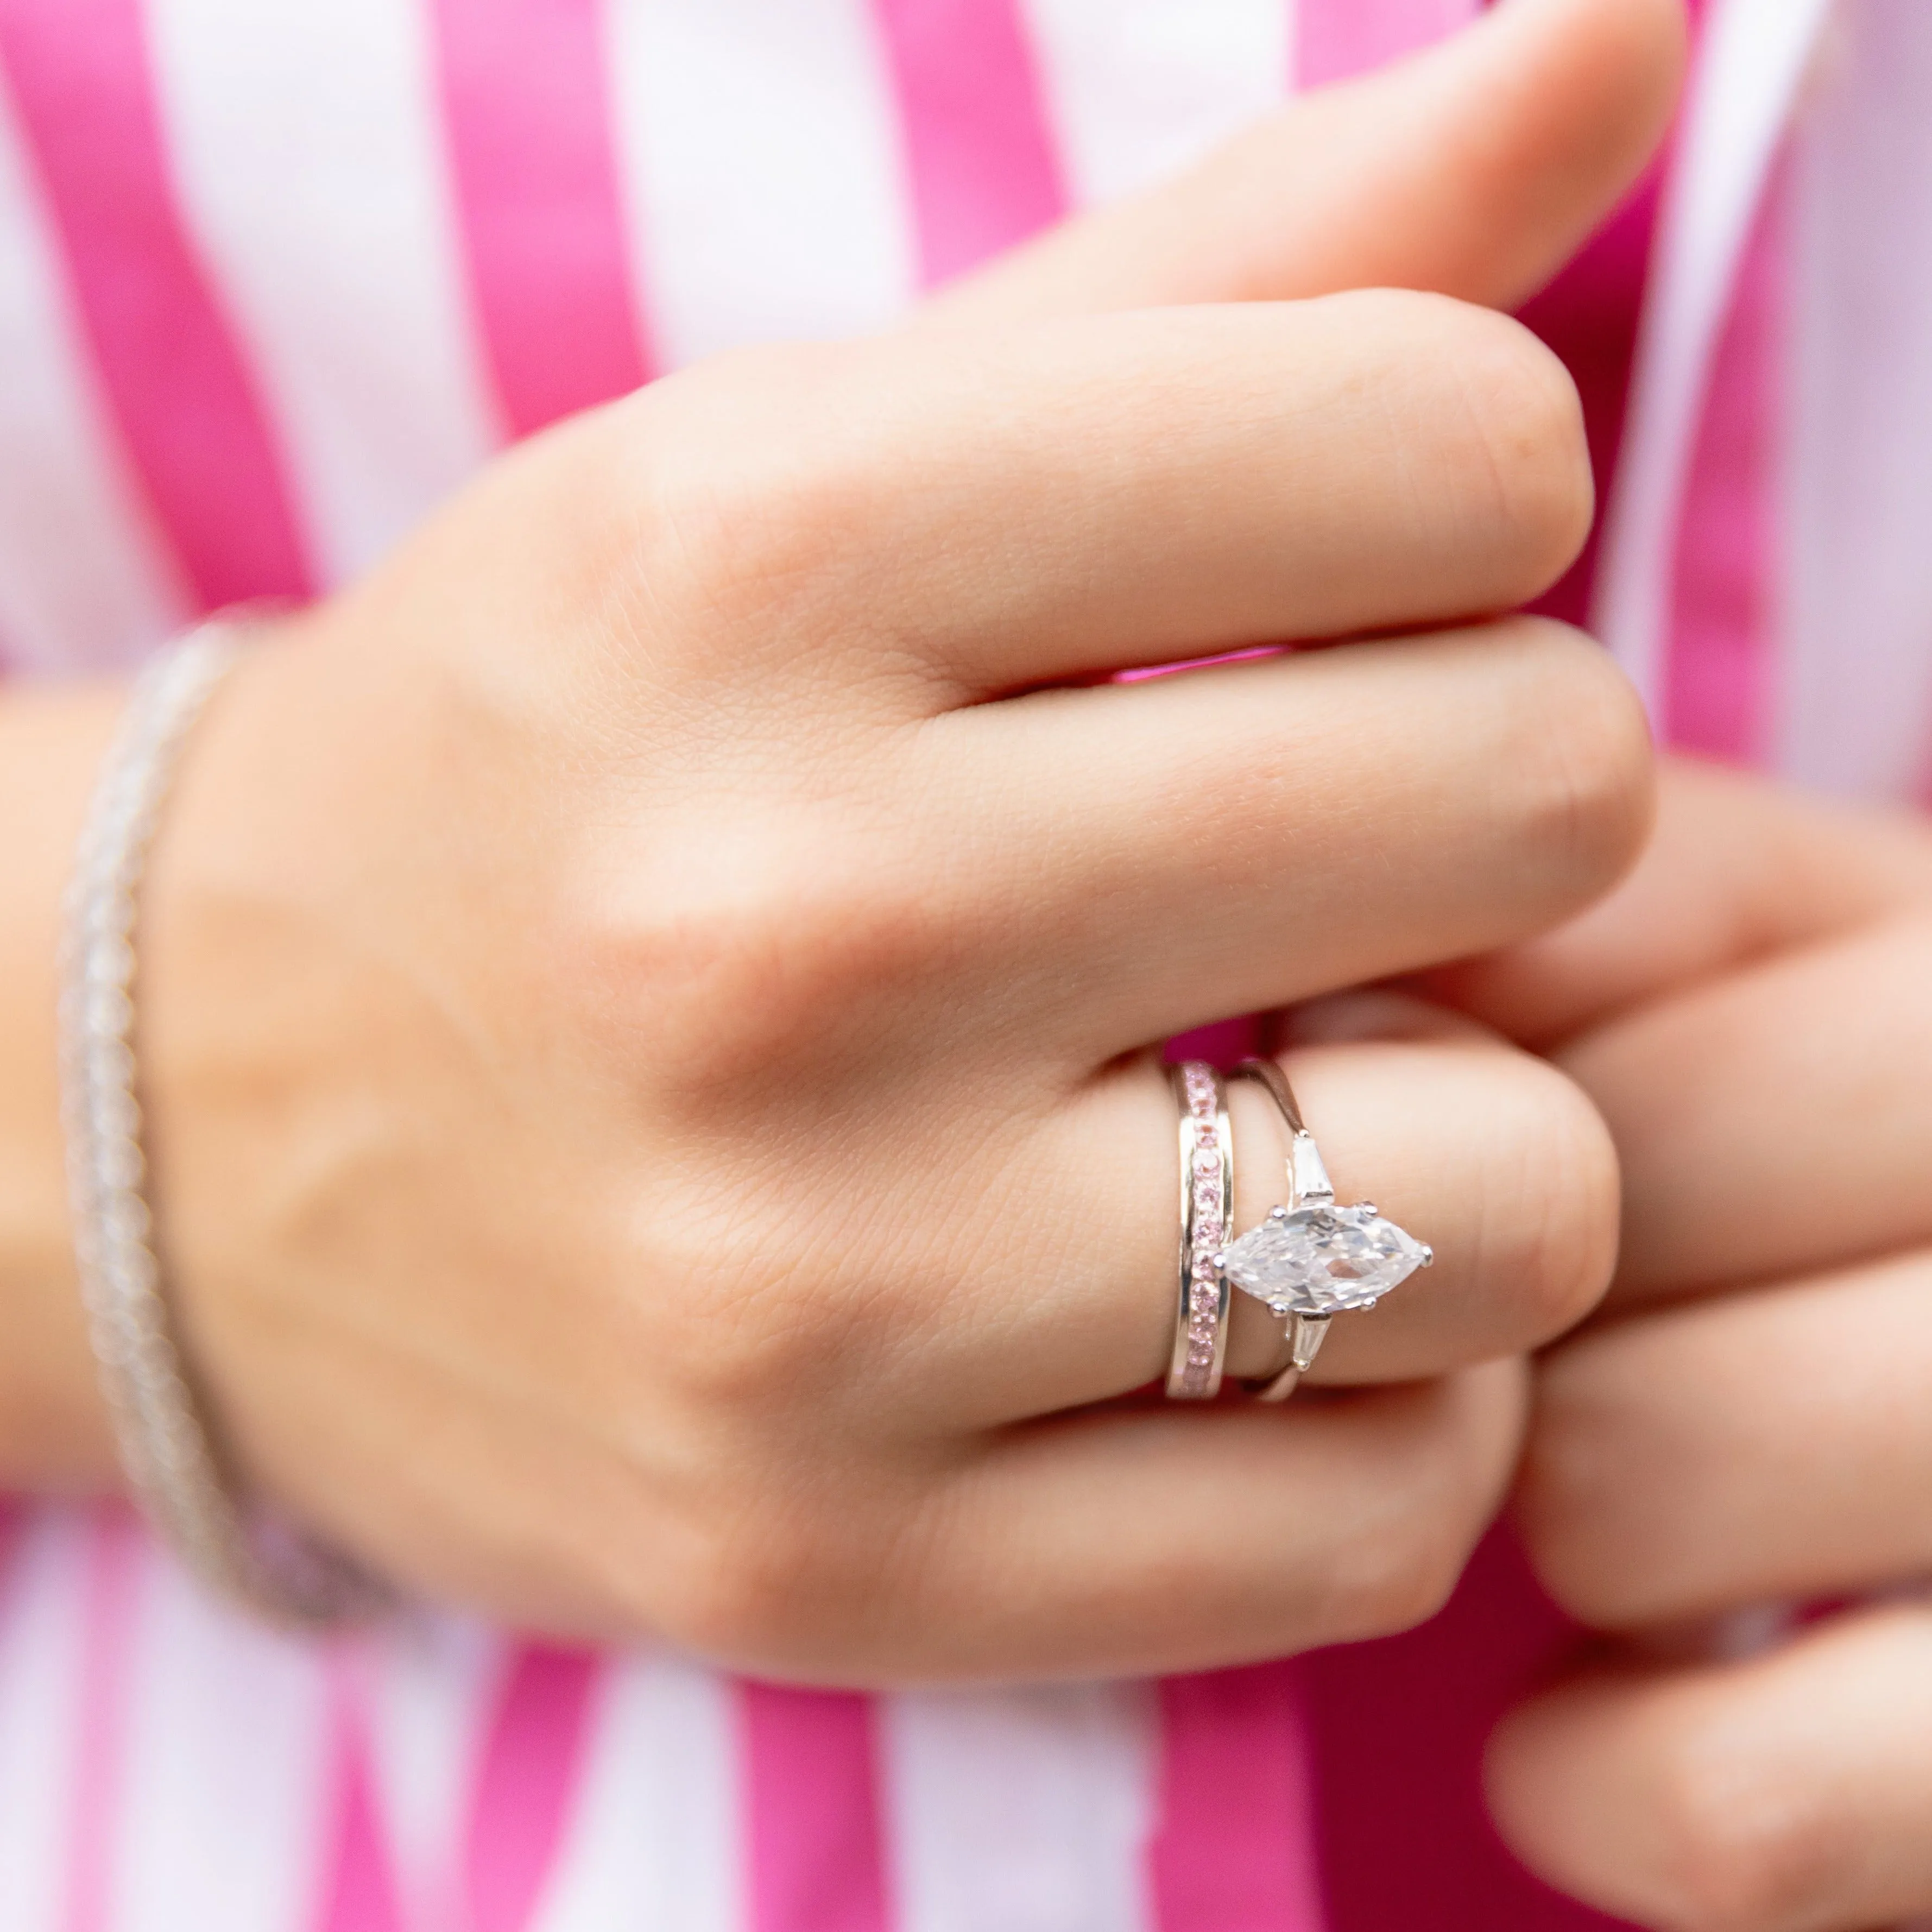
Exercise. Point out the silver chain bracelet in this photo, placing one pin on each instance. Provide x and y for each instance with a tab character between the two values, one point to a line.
166	1448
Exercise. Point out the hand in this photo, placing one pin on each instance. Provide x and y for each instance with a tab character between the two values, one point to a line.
647	1002
1747	1425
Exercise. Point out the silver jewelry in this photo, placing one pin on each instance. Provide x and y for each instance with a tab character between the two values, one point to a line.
164	1444
1310	1259
1206	1206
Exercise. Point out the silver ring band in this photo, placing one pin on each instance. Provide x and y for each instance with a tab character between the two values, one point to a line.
1207	1211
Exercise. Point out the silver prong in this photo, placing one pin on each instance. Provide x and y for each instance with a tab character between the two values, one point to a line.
1368	1207
1428	1255
1277	1214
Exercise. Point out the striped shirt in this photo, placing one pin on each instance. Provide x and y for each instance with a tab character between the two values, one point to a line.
275	278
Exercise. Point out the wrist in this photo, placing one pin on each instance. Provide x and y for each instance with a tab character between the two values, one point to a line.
54	1432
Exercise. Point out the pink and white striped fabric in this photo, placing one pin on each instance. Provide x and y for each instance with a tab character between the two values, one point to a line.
273	279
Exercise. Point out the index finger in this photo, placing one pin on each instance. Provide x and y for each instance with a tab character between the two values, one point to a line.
991	513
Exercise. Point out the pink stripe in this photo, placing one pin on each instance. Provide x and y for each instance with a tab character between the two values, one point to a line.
812	1781
1235	1849
543	222
1221	1044
527	1779
1334	39
108	1612
173	373
982	169
359	1889
1716	698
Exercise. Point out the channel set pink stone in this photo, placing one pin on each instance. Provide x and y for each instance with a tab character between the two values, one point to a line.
1207	1192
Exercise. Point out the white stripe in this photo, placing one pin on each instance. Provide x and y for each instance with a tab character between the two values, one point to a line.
654	1839
42	1626
1027	1809
1140	88
225	1778
429	1686
1854	693
310	160
1753	55
85	580
762	171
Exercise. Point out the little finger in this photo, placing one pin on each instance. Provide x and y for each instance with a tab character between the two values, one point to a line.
1154	1540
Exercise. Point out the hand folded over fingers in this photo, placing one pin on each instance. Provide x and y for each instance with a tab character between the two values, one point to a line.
649	1002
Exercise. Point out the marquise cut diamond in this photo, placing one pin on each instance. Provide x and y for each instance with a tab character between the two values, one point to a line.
1323	1260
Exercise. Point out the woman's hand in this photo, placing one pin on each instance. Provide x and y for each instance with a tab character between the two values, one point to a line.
646	1002
647	1020
1748	1425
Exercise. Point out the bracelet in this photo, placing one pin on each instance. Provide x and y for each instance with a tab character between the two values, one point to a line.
166	1448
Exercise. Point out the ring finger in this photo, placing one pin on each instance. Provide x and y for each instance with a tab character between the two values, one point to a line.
1482	1151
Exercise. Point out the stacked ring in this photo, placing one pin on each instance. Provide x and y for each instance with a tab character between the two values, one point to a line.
1207	1211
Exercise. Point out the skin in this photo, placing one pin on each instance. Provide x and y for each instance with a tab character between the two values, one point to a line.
1743	1429
646	1001
1766	968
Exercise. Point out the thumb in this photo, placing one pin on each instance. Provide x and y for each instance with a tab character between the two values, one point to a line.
1474	169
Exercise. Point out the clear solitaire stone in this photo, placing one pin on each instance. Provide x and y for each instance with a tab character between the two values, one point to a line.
1323	1260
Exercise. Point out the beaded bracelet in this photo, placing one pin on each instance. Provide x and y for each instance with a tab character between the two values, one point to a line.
166	1448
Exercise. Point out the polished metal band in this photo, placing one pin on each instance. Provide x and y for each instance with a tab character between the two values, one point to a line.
165	1448
1308	1186
1206	1208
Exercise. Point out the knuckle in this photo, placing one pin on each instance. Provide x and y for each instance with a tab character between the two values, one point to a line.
1608	1506
795	1580
742	498
1551	1244
779	947
1526	448
1573	1512
1402	1561
739	1592
1511	495
745	1355
1744	1847
1399	1584
1577	770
